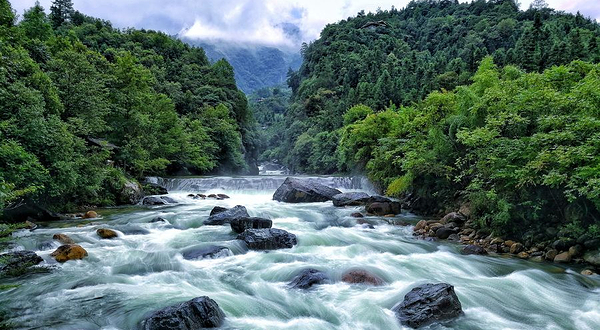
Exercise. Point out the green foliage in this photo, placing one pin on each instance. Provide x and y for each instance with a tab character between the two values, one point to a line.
427	46
522	149
84	105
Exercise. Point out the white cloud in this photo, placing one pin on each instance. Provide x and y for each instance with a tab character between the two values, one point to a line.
253	21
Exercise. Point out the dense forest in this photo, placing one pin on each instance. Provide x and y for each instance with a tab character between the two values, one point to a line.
84	107
446	103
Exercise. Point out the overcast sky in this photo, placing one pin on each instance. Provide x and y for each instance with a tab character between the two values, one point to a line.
255	21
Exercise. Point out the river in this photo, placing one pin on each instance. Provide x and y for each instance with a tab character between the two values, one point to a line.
124	279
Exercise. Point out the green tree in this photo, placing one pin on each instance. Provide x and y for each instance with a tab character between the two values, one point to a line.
36	24
60	12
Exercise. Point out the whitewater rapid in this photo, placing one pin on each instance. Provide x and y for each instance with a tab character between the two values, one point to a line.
124	279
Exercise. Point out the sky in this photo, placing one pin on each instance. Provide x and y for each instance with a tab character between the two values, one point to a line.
250	21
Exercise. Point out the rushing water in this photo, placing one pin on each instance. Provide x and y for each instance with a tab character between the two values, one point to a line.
124	279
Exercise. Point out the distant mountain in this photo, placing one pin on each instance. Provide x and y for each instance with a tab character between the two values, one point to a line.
255	67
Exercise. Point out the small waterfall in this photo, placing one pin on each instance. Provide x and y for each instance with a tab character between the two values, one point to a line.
254	183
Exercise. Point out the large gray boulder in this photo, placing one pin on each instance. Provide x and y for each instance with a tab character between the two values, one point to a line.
350	199
593	257
307	278
27	210
131	193
384	208
303	191
268	239
201	312
239	225
427	304
223	217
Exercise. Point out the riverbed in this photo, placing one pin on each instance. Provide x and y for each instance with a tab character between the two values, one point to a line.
124	279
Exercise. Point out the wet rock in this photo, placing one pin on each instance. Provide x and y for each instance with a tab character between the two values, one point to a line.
239	225
158	200
576	250
509	243
454	238
223	196
563	245
307	278
427	304
131	193
435	226
350	199
223	217
523	255
592	244
361	276
201	312
497	241
551	254
191	195
159	219
420	225
564	257
516	248
217	209
537	259
69	252
26	210
453	217
378	199
212	196
592	257
588	272
444	233
90	215
383	208
64	239
357	215
17	263
45	245
210	252
154	189
202	196
473	249
303	191
30	225
268	239
106	233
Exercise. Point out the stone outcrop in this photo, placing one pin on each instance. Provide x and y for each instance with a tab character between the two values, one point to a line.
198	313
268	239
223	217
239	225
303	191
427	304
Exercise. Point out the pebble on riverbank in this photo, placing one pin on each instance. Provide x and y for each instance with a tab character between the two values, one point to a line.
558	251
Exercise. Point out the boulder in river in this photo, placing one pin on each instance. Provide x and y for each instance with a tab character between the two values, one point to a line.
64	239
106	233
427	304
361	276
303	191
350	199
268	239
444	232
217	209
16	263
131	193
201	312
473	249
90	215
384	208
307	278
239	225
226	216
206	252
68	252
357	215
158	200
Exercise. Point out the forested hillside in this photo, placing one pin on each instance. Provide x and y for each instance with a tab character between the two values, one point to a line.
399	56
84	105
446	104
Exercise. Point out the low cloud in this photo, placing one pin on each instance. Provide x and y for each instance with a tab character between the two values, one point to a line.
264	22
